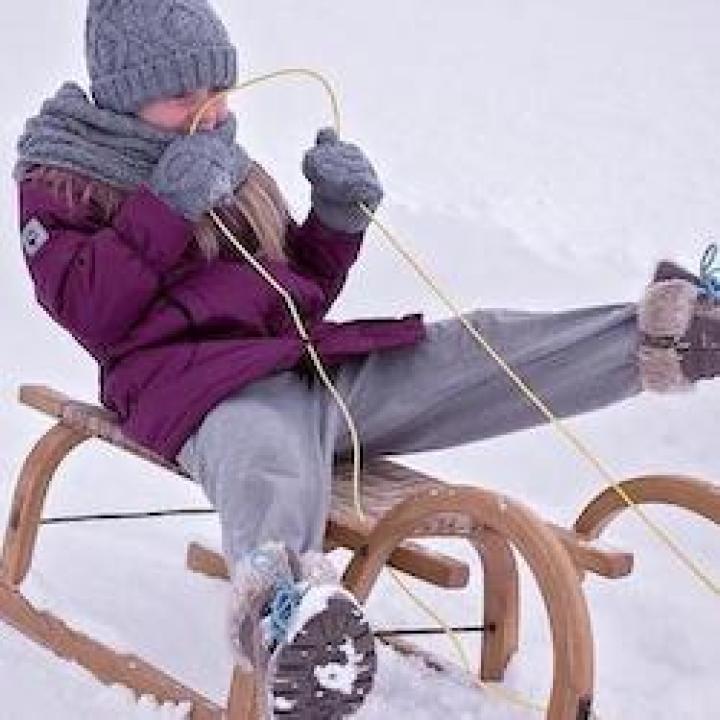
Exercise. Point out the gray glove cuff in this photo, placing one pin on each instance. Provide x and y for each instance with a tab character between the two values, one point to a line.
198	171
341	177
346	217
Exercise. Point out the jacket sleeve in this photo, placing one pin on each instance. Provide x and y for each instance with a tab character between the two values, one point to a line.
324	254
97	283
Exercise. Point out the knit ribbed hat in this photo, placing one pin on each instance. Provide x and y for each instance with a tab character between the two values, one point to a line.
141	50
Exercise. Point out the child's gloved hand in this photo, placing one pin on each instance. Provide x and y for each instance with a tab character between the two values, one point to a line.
198	171
341	176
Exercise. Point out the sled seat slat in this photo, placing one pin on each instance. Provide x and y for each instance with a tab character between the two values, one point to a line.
91	420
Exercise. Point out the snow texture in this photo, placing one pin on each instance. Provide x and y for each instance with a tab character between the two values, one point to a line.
534	155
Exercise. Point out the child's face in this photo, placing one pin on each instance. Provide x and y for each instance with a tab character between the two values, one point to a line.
177	113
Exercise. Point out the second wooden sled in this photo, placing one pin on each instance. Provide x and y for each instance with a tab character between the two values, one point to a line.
401	505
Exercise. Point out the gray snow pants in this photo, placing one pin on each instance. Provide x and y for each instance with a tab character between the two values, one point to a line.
264	456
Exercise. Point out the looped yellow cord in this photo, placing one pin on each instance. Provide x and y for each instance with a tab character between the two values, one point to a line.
572	437
569	435
514	698
562	427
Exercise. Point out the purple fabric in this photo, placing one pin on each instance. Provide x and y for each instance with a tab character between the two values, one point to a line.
174	334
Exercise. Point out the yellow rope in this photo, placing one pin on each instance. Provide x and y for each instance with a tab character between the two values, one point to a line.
661	534
562	427
310	348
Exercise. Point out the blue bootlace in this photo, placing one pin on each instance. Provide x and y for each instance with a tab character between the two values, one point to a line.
710	273
282	607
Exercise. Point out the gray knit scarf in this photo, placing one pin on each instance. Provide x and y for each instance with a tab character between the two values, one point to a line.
71	132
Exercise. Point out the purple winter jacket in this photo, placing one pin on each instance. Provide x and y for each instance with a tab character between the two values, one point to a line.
173	333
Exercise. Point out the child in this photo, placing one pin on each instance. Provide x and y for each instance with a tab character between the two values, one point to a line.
200	359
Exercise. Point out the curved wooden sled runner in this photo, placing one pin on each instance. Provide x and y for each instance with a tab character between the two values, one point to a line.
401	505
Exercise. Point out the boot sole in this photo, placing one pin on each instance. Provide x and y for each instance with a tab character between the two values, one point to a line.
327	670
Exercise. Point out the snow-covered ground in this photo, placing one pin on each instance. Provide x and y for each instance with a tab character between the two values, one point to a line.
535	155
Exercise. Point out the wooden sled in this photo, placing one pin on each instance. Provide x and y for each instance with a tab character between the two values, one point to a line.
401	505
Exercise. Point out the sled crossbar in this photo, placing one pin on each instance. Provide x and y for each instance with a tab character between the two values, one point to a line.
401	506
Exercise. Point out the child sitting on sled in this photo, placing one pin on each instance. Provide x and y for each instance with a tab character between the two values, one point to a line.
202	363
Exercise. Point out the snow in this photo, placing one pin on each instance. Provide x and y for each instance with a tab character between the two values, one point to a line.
314	601
535	155
341	676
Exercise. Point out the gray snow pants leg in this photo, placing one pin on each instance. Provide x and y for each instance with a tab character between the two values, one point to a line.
265	455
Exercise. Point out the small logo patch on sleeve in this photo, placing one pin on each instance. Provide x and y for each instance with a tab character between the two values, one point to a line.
34	236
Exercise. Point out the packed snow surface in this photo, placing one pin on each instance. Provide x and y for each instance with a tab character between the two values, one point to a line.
534	155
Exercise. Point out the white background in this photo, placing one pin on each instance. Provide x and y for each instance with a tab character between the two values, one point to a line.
534	155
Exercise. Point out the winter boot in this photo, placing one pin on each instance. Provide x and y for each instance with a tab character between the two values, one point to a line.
668	270
708	281
305	632
323	659
679	321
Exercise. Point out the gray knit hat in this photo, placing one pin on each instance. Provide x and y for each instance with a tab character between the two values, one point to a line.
141	50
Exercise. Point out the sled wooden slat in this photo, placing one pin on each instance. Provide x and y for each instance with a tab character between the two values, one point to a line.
108	665
696	496
88	419
401	505
593	556
420	562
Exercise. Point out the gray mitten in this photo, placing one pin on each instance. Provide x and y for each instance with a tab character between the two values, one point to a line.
198	171
341	176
